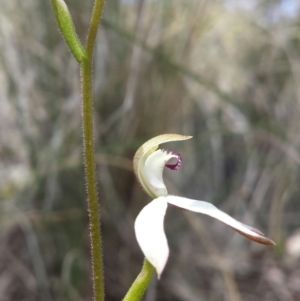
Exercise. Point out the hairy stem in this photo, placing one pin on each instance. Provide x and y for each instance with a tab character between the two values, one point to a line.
86	71
141	282
92	33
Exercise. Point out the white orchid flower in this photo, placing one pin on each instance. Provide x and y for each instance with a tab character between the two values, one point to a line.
149	162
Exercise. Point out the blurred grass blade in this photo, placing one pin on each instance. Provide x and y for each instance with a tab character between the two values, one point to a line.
67	29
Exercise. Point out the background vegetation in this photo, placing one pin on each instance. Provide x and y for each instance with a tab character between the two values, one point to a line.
226	72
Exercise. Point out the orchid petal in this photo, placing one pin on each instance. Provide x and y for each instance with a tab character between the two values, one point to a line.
150	234
211	210
147	149
153	170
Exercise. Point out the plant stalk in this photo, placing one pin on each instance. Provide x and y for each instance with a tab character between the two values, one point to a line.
141	282
86	71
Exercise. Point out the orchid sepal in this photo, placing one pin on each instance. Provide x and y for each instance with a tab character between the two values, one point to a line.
211	210
150	234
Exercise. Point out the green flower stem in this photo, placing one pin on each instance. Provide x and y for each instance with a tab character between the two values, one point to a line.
86	71
92	33
141	282
85	58
91	182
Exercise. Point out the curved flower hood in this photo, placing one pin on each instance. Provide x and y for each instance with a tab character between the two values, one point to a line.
149	162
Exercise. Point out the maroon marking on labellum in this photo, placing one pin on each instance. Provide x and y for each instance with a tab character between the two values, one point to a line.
176	165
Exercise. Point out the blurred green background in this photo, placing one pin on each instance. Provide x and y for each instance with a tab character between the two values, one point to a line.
226	72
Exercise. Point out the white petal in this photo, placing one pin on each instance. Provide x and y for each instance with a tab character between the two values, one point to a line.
150	234
153	171
211	210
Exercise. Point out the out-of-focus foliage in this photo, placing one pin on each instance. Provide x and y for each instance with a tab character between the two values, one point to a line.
226	72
